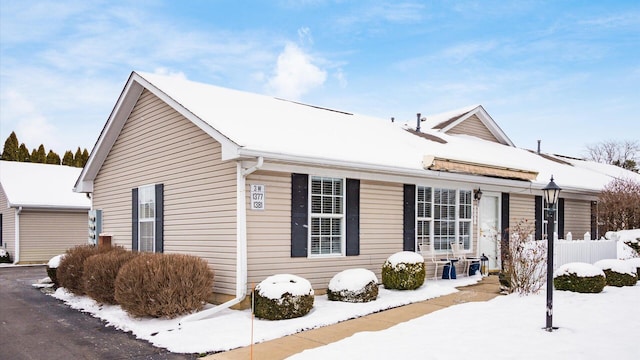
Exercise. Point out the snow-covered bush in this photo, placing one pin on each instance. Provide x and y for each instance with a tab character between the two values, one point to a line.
403	270
163	285
579	277
353	285
283	296
4	256
71	267
629	237
634	262
52	269
100	273
619	272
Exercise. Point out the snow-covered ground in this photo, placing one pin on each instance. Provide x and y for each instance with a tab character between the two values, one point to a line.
591	326
230	329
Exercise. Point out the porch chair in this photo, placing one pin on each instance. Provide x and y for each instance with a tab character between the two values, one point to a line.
438	261
465	259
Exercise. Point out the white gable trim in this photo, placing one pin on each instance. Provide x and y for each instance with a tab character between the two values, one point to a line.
118	117
487	120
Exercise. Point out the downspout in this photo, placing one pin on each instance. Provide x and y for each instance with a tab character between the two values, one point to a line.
16	256
241	245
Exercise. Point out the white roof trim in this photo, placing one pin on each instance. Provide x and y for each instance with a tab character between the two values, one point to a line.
118	117
487	120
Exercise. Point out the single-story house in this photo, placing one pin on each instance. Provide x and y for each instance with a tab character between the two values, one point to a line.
258	185
40	214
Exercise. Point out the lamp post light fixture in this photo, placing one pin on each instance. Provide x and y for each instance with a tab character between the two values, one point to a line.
551	194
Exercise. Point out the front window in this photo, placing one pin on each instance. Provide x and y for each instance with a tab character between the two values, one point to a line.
443	217
146	218
327	216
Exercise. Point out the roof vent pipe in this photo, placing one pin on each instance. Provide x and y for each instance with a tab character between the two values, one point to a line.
418	123
392	119
539	146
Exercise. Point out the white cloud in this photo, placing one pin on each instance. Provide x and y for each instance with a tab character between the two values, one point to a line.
31	127
295	74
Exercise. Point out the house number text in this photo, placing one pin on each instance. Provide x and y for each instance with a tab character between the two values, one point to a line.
257	197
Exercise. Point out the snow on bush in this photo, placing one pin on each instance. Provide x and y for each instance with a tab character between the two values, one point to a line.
618	272
353	285
403	270
579	277
629	237
52	268
283	296
634	262
54	262
4	256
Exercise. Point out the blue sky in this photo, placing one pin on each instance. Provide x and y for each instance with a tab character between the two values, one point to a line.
565	72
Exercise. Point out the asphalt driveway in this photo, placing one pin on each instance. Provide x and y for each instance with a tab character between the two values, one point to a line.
34	325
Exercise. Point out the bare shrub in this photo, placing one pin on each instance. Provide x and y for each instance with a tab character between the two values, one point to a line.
524	264
100	273
619	206
163	285
71	268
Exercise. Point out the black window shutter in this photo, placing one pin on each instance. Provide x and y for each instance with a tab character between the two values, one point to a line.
159	218
594	220
561	218
539	214
299	214
353	217
134	219
409	218
1	224
504	223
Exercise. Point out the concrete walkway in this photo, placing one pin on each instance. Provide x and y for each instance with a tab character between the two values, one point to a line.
286	346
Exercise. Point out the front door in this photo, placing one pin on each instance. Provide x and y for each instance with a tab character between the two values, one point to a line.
489	243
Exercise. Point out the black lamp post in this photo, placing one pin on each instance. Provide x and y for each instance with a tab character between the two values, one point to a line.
551	194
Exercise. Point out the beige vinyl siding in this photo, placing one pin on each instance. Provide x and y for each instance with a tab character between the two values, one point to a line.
577	218
269	232
45	234
8	225
158	145
473	126
522	207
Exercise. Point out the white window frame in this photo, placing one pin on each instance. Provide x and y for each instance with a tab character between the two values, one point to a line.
147	217
327	216
428	217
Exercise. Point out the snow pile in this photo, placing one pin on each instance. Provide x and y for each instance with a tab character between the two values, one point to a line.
619	266
352	280
3	253
405	257
275	286
579	269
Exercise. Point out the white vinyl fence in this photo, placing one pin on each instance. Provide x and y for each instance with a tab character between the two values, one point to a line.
587	251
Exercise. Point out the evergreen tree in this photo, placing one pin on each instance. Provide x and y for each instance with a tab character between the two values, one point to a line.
39	156
67	159
23	153
10	151
53	158
77	158
85	157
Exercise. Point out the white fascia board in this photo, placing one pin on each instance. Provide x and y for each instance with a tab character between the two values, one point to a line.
119	115
110	132
288	163
229	147
487	120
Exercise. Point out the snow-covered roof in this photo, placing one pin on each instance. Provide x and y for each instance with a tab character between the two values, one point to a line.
34	185
251	125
